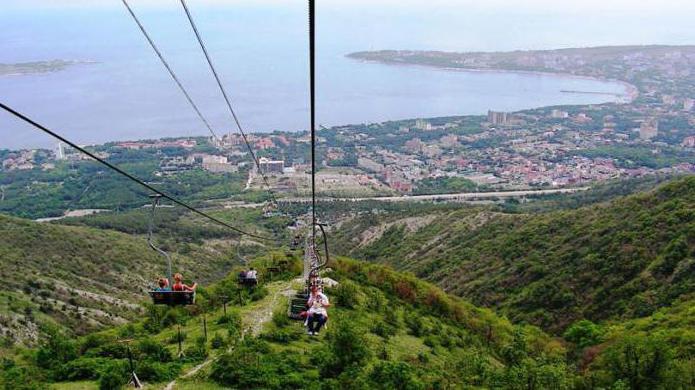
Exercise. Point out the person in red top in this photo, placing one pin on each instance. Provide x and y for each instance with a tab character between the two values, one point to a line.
180	286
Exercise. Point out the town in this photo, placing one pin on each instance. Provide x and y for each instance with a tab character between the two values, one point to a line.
649	130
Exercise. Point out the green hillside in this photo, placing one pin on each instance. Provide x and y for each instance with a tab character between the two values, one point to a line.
83	278
620	259
387	330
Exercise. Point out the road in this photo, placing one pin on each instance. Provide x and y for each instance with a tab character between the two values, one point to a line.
444	197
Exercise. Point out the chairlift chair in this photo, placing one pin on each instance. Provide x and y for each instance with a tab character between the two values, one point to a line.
169	298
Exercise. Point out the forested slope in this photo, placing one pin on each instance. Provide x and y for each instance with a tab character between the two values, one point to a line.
620	259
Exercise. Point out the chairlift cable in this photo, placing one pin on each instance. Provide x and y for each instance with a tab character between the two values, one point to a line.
312	110
170	70
128	175
226	98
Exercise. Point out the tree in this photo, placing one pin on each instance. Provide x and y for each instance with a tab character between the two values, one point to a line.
641	361
346	347
56	350
584	333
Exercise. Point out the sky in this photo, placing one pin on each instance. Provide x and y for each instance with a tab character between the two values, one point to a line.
529	5
454	25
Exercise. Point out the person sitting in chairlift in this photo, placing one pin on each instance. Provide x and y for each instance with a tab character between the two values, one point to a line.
252	274
163	285
316	315
180	286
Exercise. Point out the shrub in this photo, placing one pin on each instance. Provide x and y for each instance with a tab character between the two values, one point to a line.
584	334
282	335
431	341
22	378
233	321
640	361
82	369
112	350
346	294
197	352
174	316
95	340
258	293
217	341
56	351
112	381
157	372
416	325
532	374
394	375
114	377
346	347
150	349
174	338
376	300
127	331
252	365
382	329
280	318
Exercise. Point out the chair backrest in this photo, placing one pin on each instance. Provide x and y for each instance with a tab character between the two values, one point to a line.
173	298
248	281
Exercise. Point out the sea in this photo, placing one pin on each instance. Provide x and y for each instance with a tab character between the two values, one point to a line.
260	50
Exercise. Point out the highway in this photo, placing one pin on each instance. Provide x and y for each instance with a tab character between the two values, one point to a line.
443	197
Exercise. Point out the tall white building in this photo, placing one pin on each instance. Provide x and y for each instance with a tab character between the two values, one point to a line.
60	151
423	125
497	117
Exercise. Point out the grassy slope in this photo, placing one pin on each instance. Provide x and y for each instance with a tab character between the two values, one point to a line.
624	258
84	278
439	340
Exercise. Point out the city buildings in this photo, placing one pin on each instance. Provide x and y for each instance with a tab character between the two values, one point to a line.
649	129
271	166
422	124
559	114
497	117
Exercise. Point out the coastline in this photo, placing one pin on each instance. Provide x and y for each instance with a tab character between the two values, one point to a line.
630	94
41	67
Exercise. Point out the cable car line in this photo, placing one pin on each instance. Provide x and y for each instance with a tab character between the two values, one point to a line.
170	70
128	175
187	95
226	97
312	110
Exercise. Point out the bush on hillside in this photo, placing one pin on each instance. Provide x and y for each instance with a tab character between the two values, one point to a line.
150	349
56	350
394	375
642	362
254	365
345	347
584	333
346	294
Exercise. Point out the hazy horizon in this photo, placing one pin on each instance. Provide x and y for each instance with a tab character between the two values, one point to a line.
260	47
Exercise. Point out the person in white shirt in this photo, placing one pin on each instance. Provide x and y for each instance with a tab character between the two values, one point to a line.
316	315
252	274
